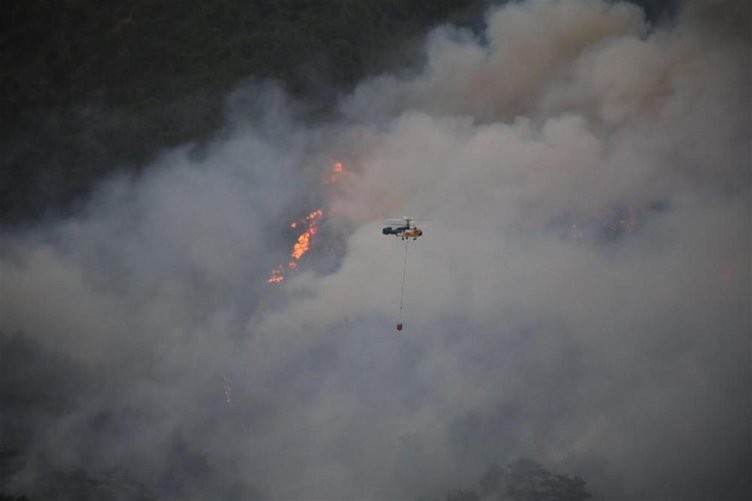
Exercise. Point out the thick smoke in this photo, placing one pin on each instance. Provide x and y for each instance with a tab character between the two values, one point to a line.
581	296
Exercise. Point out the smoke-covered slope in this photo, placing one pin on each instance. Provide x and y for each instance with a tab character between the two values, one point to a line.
581	296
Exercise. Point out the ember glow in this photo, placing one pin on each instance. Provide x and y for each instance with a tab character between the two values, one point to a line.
228	389
337	170
277	275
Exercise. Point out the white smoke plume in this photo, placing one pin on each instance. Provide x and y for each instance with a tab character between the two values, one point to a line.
581	295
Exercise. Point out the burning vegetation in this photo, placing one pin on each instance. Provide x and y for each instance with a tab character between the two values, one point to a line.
310	226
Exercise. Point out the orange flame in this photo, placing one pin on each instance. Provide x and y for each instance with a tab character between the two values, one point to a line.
311	221
277	275
303	244
301	247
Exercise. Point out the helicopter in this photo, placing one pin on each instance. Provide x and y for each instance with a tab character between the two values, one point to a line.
406	229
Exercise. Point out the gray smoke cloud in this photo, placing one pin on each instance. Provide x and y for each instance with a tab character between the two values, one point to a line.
581	295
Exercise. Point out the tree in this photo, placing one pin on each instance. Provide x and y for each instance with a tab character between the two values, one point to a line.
492	480
527	480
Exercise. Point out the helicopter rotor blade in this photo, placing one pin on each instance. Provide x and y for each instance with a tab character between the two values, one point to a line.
395	220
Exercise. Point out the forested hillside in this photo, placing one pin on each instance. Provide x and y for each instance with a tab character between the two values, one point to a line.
88	86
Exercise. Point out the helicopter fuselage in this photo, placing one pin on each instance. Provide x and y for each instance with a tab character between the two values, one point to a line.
403	232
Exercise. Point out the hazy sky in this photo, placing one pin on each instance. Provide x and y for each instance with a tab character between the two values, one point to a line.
581	295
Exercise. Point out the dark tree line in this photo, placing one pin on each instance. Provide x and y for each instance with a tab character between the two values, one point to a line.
523	480
135	53
87	86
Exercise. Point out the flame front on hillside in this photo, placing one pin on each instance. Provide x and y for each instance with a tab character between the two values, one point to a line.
311	226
